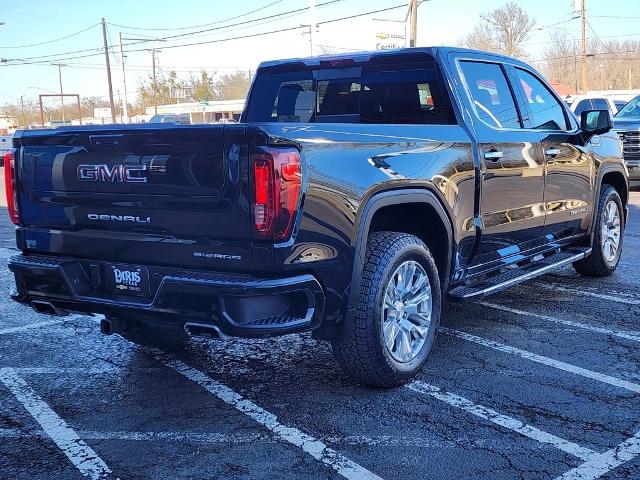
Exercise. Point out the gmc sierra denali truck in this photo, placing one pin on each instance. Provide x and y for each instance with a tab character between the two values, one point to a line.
357	195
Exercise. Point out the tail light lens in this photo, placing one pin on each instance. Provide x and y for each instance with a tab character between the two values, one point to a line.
277	178
10	186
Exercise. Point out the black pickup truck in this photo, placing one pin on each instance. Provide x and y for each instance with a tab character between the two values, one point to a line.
357	194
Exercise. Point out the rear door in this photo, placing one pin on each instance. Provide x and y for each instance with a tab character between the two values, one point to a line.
569	167
511	177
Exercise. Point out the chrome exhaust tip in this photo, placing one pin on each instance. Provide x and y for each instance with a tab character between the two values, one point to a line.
204	330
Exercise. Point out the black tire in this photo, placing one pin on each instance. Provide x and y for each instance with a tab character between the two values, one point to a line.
361	350
157	336
596	264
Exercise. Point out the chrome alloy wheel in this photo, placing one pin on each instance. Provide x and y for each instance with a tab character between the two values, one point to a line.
406	313
611	229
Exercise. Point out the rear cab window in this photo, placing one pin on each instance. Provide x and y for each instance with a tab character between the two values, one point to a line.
384	93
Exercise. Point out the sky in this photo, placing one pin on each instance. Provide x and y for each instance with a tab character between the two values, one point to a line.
440	22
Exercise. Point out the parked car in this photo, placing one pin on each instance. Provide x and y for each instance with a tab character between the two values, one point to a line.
619	104
627	125
582	103
5	147
357	193
181	119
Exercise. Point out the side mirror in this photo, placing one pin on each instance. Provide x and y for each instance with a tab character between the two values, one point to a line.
595	122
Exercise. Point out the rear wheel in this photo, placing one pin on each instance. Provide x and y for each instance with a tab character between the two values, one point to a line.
156	336
607	238
397	313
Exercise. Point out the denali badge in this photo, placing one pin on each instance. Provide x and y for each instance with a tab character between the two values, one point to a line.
115	174
118	218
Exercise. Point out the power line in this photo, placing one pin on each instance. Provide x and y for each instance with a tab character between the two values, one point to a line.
270	17
168	37
54	40
207	42
198	26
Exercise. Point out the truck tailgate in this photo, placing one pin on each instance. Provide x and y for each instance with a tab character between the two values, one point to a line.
160	194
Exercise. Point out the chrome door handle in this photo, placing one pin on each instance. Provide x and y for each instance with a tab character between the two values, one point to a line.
552	152
493	155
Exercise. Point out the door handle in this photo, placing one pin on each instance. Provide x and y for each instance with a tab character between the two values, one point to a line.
493	155
552	152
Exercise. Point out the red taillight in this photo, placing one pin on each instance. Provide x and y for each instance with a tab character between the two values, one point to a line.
10	186
277	178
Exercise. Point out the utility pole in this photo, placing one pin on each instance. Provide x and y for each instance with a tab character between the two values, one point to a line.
60	65
125	107
22	122
583	64
412	13
155	82
312	25
106	58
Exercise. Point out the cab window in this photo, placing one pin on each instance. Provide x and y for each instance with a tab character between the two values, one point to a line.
490	94
546	111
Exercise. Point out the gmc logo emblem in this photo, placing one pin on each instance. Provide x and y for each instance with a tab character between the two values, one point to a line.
114	174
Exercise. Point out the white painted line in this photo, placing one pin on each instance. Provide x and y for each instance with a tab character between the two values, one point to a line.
248	438
22	328
618	297
81	455
106	369
505	421
626	334
603	463
550	362
314	447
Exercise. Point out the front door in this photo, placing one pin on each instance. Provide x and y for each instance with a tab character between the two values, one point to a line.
512	210
569	167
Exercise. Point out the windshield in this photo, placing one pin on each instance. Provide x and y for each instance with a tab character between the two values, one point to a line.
631	109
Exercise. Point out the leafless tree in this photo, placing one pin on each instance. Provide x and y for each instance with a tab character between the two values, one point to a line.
503	30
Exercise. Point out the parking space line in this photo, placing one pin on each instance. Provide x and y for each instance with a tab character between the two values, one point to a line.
626	334
505	421
30	326
77	451
106	369
314	447
603	463
213	438
550	362
618	297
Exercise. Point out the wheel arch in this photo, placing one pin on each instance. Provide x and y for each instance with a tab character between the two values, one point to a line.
615	175
377	214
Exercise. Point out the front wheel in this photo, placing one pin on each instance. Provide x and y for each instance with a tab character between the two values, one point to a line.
397	314
607	238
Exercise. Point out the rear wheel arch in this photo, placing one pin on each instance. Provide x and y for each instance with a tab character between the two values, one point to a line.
388	211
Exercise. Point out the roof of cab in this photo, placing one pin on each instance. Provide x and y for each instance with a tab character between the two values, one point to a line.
364	56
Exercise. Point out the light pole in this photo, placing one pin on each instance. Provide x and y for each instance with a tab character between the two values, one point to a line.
575	50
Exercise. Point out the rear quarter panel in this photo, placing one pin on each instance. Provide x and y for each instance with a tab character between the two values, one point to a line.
347	164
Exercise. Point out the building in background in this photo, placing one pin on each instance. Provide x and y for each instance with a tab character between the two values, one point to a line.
203	112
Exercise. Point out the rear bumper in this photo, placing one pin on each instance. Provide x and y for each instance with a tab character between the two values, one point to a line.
239	305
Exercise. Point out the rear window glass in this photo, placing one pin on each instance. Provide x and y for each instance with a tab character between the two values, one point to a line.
376	94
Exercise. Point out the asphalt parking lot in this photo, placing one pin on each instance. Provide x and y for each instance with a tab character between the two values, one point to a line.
540	382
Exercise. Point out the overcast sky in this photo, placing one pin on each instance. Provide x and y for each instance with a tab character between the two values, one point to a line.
441	22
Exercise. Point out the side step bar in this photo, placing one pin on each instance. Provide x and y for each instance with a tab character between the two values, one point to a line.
513	276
